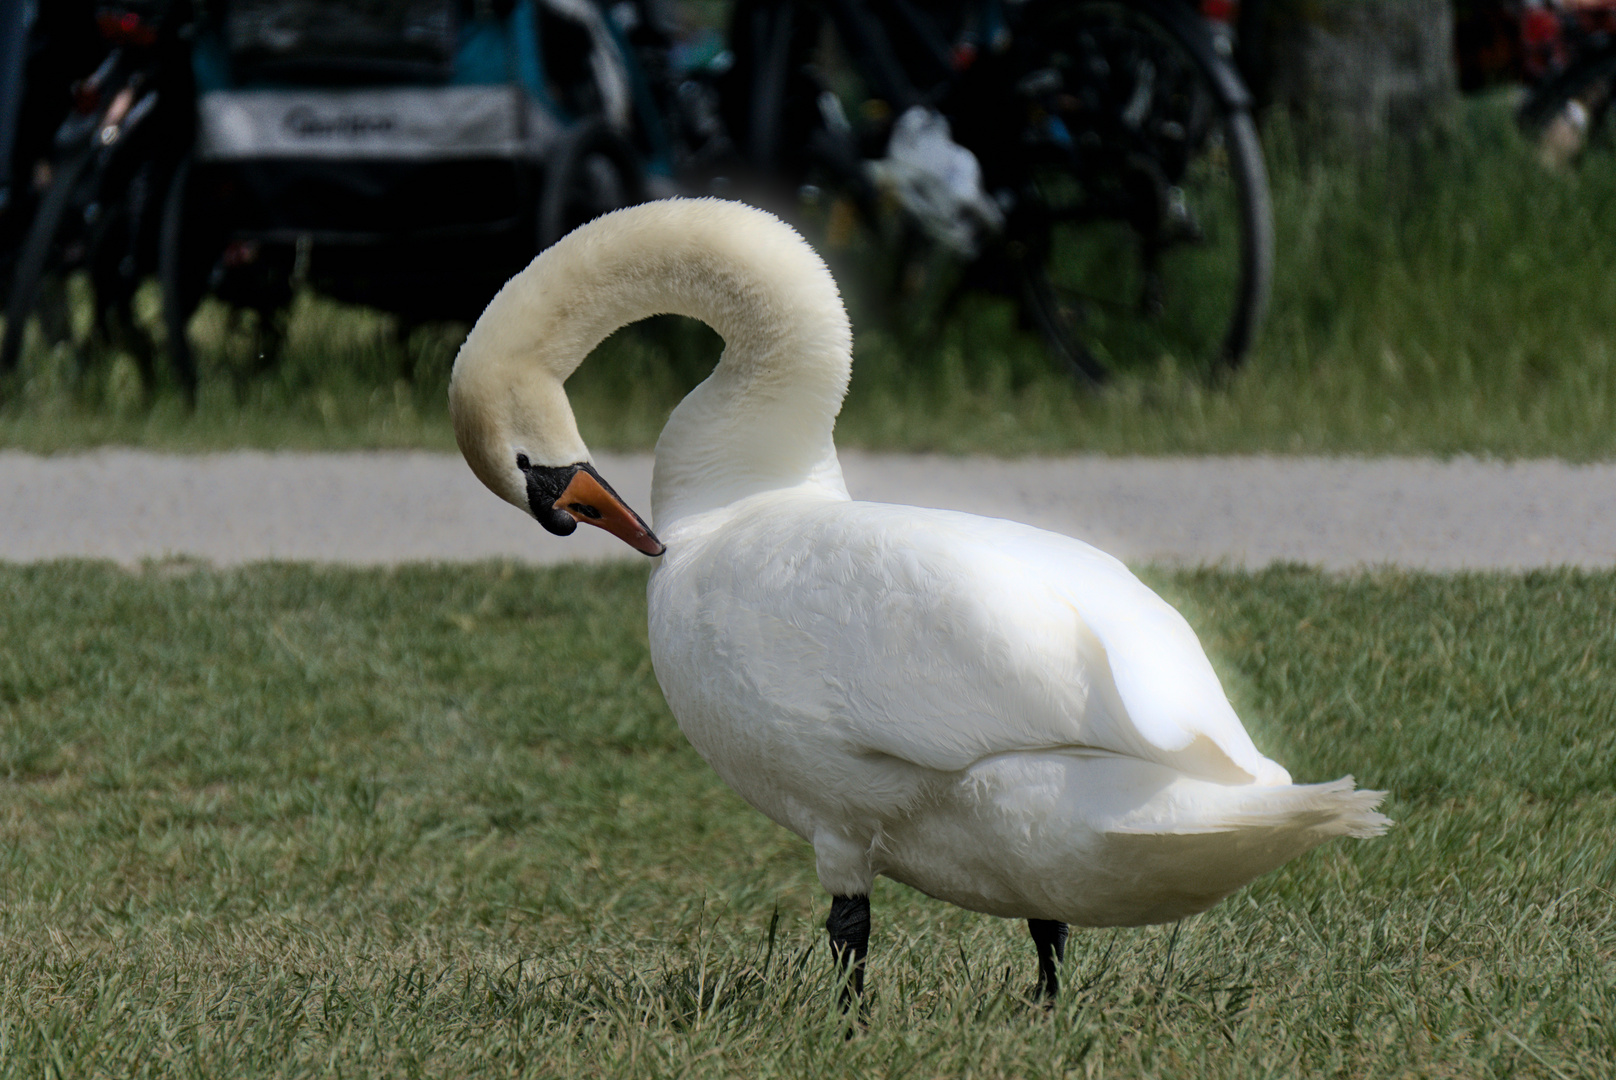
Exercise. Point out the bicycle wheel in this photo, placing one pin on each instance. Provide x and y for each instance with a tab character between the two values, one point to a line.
120	253
594	172
1566	115
37	255
1140	230
768	101
187	247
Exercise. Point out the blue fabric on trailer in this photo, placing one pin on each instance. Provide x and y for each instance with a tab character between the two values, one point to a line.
491	52
483	58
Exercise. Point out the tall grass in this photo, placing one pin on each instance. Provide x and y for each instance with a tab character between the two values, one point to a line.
1458	298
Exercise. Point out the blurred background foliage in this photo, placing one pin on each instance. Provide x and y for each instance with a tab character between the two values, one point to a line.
1437	290
1445	296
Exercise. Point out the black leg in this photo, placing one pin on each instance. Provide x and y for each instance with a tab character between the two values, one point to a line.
1050	937
849	929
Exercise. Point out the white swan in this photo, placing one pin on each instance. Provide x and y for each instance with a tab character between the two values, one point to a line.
1001	717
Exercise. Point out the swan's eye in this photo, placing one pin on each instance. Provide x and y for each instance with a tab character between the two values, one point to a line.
522	462
587	511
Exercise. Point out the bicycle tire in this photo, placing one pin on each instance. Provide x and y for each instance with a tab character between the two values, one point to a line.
768	92
31	265
572	194
180	295
1096	344
1546	116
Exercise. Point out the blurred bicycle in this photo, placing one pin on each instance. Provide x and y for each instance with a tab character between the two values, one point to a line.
1093	160
126	127
1563	51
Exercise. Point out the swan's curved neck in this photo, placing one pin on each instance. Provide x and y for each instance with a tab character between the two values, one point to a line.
763	419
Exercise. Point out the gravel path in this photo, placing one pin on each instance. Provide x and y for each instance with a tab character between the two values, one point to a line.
377	508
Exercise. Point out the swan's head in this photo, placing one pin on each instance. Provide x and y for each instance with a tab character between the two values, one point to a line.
516	429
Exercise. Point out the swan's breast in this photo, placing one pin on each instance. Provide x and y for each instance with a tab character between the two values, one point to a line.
742	645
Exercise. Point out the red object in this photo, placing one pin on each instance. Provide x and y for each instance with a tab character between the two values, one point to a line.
1526	40
1539	26
241	253
125	28
1221	11
86	97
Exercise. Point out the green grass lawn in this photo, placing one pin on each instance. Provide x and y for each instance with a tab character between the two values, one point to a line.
292	821
1460	299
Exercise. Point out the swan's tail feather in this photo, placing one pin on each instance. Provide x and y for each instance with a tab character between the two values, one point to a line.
1336	808
1100	839
1355	812
1207	842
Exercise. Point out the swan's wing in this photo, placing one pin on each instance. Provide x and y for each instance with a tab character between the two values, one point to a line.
1164	701
941	639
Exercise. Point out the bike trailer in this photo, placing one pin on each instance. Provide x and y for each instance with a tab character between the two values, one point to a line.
408	154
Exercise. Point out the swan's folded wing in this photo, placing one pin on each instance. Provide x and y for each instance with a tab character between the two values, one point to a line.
1167	693
941	639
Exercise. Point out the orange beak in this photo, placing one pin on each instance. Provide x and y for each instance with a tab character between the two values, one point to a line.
589	500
